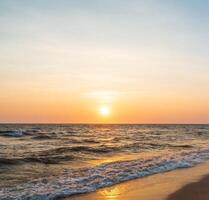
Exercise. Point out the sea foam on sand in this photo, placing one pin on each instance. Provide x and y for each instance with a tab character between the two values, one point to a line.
156	187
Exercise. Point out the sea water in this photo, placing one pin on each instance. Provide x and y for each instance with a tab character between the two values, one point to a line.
56	161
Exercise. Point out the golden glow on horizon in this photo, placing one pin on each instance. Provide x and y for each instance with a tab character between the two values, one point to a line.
37	107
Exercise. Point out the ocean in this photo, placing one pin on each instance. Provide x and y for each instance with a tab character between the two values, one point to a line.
41	161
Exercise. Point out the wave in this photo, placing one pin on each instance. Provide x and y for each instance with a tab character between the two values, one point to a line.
8	161
86	180
56	155
52	156
42	137
69	153
11	133
50	159
37	159
98	149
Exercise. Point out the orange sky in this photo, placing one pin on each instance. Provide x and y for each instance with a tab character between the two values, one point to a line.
146	61
49	107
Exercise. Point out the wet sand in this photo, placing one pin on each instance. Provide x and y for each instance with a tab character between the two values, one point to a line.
193	191
175	185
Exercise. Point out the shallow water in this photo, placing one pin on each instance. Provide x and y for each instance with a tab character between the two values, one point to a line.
53	161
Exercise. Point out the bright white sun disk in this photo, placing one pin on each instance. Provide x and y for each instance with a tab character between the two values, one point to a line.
104	111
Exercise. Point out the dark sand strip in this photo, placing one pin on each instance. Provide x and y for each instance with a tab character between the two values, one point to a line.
193	191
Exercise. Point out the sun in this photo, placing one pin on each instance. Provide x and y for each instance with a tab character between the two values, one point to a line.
104	111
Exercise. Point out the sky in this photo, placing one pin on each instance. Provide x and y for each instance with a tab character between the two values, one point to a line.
142	61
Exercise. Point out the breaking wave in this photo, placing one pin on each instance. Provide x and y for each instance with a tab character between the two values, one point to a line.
86	180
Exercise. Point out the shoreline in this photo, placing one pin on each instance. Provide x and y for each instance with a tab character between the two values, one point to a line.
173	185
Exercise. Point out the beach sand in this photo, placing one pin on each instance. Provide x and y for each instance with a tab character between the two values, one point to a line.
182	184
194	191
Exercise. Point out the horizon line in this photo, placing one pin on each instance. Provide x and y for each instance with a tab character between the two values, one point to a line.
96	123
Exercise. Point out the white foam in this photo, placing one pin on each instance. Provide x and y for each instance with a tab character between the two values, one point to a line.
91	179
